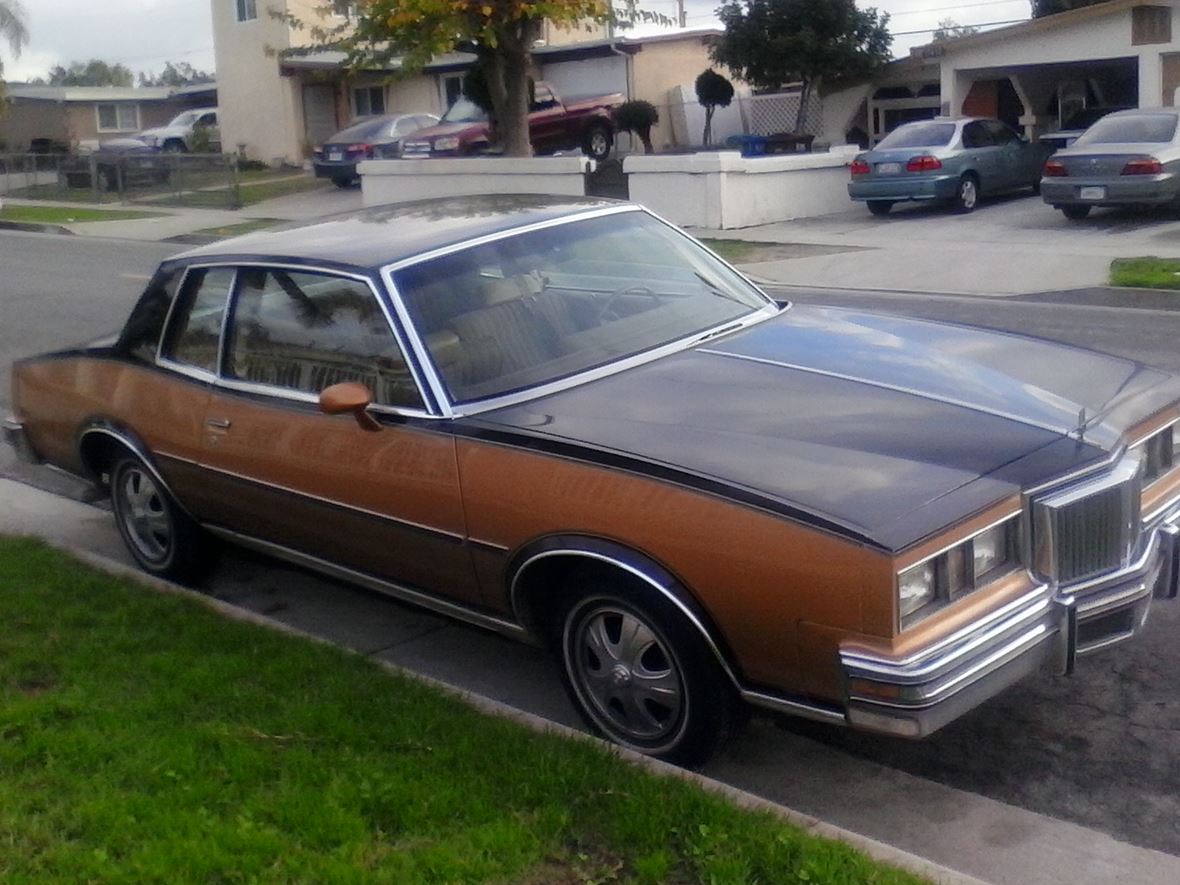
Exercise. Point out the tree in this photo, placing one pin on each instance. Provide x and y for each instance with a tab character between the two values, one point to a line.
713	91
179	74
949	29
1041	8
91	73
500	33
637	116
769	43
12	29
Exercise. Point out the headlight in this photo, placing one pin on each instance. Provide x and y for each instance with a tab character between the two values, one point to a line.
149	140
447	143
1160	453
975	562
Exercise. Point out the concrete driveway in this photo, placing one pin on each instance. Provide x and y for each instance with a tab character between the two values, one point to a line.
1013	245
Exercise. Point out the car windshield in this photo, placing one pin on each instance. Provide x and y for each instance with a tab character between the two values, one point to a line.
918	135
526	310
185	119
373	127
464	110
1131	129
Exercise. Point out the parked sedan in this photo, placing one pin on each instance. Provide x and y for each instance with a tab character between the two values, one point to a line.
568	422
956	161
1071	130
371	138
1129	158
118	165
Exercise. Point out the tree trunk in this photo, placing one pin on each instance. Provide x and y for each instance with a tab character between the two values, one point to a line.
507	67
708	136
645	137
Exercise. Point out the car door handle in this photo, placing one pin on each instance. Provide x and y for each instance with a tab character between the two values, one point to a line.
218	423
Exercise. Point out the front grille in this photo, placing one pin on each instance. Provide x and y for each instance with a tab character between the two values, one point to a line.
1089	528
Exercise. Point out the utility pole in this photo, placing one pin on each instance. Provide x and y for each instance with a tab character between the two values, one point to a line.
681	15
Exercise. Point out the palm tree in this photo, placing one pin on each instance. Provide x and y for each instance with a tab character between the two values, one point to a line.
12	27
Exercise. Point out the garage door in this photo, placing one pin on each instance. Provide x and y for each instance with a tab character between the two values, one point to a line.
319	113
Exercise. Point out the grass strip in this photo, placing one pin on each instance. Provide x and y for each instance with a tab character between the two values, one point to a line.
1146	273
145	738
242	227
68	214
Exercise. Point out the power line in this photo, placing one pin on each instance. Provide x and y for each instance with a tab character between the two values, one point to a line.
893	15
1015	21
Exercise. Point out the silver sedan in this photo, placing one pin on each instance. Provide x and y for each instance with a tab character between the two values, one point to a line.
1129	158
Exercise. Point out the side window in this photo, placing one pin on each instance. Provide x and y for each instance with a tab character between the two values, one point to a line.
140	338
1001	134
195	330
308	331
975	136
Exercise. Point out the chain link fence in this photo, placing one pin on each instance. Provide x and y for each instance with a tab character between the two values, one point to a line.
148	178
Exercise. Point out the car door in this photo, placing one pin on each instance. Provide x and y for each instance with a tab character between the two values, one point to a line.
981	155
385	501
1013	165
548	126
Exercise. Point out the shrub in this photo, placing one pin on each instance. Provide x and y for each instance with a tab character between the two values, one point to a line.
637	116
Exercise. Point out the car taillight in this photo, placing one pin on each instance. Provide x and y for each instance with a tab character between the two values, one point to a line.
366	149
318	151
859	167
923	163
1054	169
1143	166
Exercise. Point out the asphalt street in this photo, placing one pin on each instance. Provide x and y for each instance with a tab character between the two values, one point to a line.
1097	749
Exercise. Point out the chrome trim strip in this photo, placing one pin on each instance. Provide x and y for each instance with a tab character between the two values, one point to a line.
322	500
1161	510
1102	604
815	712
1141	440
1114	639
897	388
136	449
634	572
865	658
1115	576
451	410
371	582
951	546
15	436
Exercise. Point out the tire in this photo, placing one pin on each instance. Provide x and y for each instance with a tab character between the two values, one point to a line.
597	141
643	677
108	179
966	195
342	181
1036	186
174	146
880	207
1075	213
162	538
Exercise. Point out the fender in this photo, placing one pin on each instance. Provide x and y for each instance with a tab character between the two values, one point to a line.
127	438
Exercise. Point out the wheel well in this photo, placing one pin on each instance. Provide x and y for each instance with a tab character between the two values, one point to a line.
99	452
544	588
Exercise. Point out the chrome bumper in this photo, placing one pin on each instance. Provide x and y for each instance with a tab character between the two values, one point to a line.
15	436
917	695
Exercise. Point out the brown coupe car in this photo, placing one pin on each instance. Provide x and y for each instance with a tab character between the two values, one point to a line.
569	422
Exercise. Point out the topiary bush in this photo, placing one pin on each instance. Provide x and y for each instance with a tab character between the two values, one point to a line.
637	116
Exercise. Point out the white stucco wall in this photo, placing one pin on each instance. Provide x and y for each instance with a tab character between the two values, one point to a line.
399	181
725	190
590	76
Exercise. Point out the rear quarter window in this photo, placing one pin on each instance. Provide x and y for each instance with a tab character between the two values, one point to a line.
141	336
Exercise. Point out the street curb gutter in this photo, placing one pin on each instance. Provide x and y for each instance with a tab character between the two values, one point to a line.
878	851
30	227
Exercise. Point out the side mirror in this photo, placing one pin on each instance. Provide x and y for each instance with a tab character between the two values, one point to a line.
349	397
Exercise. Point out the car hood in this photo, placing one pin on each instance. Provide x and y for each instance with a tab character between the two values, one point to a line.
882	428
460	129
162	131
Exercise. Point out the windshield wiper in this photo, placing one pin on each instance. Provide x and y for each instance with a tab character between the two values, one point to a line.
717	290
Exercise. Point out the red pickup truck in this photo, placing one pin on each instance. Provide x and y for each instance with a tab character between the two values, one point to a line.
554	125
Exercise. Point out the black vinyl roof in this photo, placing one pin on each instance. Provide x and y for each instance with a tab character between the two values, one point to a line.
381	235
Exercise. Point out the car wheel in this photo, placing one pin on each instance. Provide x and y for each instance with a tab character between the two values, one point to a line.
1075	213
596	142
642	676
108	179
967	194
161	537
173	146
880	207
342	181
1036	185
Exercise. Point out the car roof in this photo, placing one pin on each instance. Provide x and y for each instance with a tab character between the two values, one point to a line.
372	238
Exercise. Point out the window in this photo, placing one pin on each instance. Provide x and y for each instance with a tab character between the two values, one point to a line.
918	135
1151	24
307	331
117	117
369	100
452	88
976	136
1000	133
247	10
141	336
344	9
195	330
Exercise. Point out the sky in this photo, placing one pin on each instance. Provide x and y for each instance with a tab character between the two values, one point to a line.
144	34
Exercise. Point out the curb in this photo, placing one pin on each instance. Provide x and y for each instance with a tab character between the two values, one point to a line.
878	851
30	227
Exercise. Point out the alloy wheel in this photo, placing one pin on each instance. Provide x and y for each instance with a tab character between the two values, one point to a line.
145	515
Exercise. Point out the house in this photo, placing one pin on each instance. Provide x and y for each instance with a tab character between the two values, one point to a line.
36	116
279	98
1032	75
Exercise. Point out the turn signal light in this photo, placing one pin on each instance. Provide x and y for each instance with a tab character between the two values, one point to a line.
859	167
1055	169
1143	166
924	163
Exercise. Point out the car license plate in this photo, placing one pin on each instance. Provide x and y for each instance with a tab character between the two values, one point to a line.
1091	193
888	168
335	155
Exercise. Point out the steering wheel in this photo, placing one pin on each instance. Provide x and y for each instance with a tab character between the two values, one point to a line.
607	312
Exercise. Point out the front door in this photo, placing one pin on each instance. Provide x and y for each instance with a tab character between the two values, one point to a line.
384	502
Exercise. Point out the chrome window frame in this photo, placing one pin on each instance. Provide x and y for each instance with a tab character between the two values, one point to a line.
219	378
449	409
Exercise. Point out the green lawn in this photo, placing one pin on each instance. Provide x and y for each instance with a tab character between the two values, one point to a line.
145	738
66	215
242	227
734	251
1147	273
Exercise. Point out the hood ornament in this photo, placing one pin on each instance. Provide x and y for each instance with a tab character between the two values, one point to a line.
1081	428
